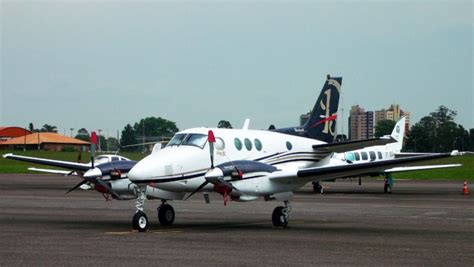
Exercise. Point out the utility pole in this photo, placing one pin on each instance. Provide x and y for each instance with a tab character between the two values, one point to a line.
24	140
143	139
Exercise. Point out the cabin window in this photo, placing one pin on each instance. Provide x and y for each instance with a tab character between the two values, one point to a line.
115	158
289	146
364	155
177	140
350	156
248	144
258	144
238	144
372	155
380	154
357	155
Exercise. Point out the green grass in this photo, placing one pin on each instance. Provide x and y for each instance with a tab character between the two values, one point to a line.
15	166
466	172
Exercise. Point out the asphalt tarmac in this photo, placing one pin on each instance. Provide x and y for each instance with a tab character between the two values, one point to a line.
421	223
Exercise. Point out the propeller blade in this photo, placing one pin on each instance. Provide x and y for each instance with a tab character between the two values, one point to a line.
211	139
106	186
93	141
230	185
197	189
76	186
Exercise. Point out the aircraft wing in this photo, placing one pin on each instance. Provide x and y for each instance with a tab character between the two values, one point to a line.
50	162
354	145
351	170
52	171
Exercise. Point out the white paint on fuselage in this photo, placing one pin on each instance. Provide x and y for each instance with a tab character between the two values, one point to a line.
183	160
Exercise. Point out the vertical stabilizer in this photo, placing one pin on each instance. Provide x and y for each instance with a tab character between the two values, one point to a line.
398	133
321	124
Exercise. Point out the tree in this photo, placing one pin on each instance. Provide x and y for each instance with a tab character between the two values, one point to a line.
82	134
224	124
113	143
31	127
384	127
154	127
471	139
128	138
437	132
49	128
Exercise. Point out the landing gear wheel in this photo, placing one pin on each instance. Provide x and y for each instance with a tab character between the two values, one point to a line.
280	217
165	214
387	189
317	188
140	221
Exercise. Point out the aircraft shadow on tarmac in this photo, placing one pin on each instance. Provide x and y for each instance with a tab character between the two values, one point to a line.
306	227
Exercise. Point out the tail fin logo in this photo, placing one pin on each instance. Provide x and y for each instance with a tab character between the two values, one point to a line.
328	119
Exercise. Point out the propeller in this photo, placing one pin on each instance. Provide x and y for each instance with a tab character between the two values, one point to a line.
211	139
214	175
93	174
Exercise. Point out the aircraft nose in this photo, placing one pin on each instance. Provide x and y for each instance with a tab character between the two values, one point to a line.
139	172
92	173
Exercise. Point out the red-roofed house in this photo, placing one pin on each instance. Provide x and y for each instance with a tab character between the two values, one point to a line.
46	141
7	133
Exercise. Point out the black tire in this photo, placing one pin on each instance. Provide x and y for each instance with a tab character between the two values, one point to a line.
317	188
140	221
278	218
165	214
387	189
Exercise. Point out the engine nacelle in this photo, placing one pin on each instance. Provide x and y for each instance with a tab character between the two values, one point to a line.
123	187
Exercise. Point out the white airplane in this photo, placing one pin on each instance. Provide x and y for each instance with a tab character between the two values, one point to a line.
248	164
391	150
108	173
105	173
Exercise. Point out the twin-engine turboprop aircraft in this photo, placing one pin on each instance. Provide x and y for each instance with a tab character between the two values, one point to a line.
391	150
239	164
244	165
108	173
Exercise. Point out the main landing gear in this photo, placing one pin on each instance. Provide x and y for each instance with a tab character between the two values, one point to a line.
140	220
387	188
318	188
165	214
281	215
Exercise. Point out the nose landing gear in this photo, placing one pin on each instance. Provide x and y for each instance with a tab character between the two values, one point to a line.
140	220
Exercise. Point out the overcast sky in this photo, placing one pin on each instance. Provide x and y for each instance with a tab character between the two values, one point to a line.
103	64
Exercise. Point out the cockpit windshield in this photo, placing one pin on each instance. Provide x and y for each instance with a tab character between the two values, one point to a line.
177	140
198	140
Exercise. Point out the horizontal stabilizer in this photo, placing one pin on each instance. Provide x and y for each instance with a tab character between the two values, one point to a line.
354	145
420	168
